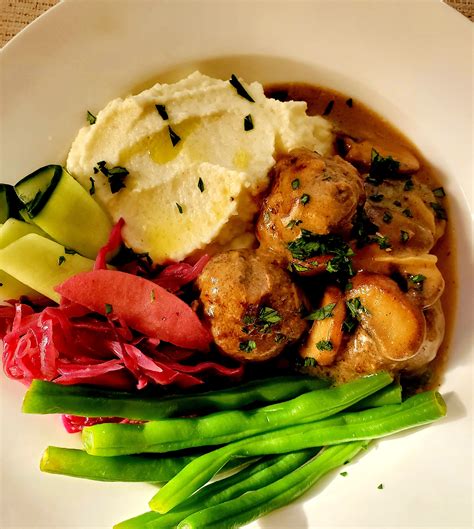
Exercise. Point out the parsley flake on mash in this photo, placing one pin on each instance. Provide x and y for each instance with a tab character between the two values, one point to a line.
207	115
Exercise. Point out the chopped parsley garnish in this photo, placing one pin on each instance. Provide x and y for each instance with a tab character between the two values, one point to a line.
440	212
381	168
362	228
293	223
162	111
305	198
397	203
200	185
309	362
152	295
180	208
328	108
417	280
240	89
439	192
295	184
349	102
382	241
407	212
92	187
343	474
376	198
115	176
61	260
404	236
297	267
310	245
248	122
409	185
69	251
324	345
262	322
387	217
380	487
355	309
175	139
322	313
91	118
248	346
108	309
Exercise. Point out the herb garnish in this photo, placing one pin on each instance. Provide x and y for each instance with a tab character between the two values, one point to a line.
279	337
378	197
265	319
248	122
439	192
407	212
293	223
343	474
440	212
108	309
61	260
309	362
322	313
380	486
355	308
387	217
324	345
162	111
295	184
382	241
417	280
175	139
328	108
240	89
91	118
381	168
349	102
362	228
248	346
115	176
92	187
409	185
180	208
297	267
200	185
305	198
404	236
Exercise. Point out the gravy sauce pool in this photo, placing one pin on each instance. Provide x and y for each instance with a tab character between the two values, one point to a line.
355	119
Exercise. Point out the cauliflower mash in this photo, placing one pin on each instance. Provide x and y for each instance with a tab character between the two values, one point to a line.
197	153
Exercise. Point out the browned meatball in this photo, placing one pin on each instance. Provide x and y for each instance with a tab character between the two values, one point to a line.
311	192
251	304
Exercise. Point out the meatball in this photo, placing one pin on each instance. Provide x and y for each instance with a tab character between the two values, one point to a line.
310	192
251	304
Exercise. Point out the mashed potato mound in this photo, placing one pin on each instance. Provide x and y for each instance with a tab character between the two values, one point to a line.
180	198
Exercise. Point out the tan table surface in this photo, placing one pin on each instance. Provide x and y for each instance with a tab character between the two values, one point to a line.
16	14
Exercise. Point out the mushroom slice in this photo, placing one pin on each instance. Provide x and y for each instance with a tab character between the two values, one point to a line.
325	336
396	325
424	282
360	154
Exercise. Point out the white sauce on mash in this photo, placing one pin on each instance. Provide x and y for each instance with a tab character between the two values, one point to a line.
168	211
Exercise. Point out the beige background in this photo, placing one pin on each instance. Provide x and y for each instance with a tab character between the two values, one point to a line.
16	14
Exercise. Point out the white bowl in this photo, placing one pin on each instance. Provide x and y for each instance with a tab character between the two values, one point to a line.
410	61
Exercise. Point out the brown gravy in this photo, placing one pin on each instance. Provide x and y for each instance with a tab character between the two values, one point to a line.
351	117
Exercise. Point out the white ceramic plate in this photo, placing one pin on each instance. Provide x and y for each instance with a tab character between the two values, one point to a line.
409	60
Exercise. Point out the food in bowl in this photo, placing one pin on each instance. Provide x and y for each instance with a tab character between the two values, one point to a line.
309	229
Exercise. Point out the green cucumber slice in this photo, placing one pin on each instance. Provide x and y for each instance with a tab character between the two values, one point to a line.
11	288
41	263
63	209
35	189
14	229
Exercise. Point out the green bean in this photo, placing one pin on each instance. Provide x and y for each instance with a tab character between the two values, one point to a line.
391	394
256	503
87	401
134	468
254	476
80	464
176	434
364	425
